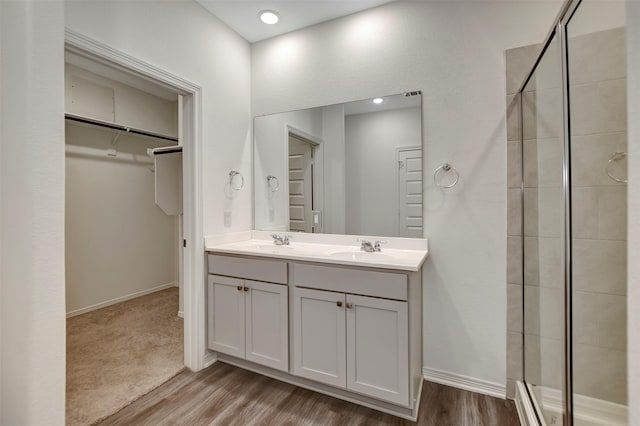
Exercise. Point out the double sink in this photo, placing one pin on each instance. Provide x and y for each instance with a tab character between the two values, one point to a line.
339	253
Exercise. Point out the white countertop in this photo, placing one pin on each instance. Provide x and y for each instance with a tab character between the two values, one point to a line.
405	254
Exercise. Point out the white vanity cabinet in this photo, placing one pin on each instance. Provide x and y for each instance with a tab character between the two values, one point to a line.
352	332
360	343
249	319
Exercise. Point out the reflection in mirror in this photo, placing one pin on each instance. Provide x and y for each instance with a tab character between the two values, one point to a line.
353	168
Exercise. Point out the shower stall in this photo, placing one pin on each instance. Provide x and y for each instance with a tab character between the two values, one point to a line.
573	124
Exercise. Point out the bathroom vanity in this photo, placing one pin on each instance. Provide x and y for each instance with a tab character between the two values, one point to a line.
321	314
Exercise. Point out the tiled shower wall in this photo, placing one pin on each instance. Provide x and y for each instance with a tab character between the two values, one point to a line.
598	110
518	62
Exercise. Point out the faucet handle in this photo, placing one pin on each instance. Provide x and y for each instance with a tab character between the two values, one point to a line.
287	239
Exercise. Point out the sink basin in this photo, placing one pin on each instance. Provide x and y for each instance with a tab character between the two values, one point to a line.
360	255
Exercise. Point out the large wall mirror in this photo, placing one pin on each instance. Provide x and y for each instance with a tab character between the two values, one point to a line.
352	168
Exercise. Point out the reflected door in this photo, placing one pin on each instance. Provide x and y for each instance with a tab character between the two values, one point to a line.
300	185
410	192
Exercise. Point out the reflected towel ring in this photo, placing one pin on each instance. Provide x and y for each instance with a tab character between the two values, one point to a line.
233	175
446	167
273	183
616	157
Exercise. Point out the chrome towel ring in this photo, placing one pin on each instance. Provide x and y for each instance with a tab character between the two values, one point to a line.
445	168
616	157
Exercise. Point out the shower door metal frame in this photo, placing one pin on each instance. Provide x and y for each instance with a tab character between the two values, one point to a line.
559	29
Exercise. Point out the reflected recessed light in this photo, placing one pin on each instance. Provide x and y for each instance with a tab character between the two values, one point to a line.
378	101
269	17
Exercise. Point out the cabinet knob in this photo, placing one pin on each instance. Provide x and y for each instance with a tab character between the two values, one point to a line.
349	306
339	303
246	289
239	288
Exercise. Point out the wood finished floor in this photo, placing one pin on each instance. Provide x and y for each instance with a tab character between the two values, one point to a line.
227	395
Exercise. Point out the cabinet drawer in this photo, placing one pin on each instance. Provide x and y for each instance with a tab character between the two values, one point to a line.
253	269
357	281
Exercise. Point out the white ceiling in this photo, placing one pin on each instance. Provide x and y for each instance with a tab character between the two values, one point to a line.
242	15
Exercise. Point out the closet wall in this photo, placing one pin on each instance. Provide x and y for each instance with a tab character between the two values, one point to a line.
119	243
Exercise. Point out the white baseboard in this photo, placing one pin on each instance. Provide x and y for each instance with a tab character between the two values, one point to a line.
119	299
465	382
210	358
181	314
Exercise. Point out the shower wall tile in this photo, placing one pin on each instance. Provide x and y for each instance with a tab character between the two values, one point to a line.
513	118
511	388
530	227
549	112
514	165
514	260
599	107
612	212
600	320
599	212
519	61
550	257
514	363
514	212
514	308
542	212
531	261
600	266
608	46
544	361
543	162
530	164
544	311
529	112
584	209
600	373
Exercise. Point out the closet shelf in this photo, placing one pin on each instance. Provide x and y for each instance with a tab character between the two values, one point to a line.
119	127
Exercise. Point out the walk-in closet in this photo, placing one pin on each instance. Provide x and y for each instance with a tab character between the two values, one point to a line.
123	208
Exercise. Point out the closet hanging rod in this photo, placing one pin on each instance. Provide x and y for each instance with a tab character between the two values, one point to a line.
113	126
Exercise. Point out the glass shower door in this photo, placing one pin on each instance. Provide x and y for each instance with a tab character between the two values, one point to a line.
596	54
544	273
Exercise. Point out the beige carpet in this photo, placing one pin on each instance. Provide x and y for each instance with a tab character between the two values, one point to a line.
119	353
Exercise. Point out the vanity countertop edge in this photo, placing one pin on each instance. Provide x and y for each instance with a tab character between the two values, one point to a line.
402	254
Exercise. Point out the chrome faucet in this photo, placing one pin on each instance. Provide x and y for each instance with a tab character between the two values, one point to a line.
368	247
279	240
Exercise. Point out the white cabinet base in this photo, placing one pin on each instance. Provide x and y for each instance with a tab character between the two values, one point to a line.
375	404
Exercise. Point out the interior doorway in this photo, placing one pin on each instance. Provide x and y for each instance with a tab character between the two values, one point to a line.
146	146
409	178
303	184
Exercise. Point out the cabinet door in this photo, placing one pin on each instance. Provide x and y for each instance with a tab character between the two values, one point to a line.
267	330
226	315
319	336
378	348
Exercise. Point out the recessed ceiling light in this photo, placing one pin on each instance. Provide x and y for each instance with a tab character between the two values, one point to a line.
378	101
269	17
